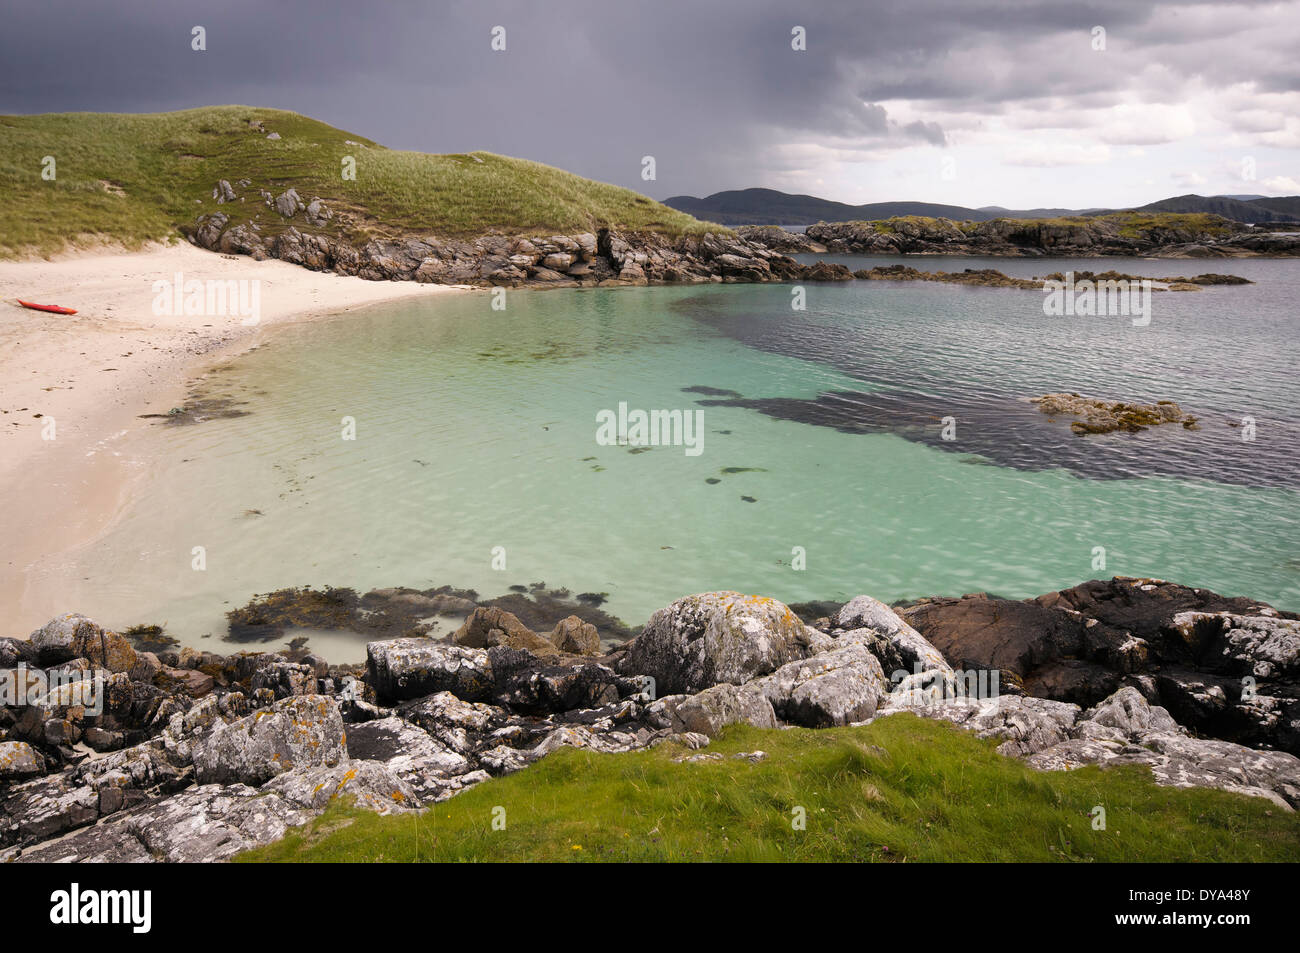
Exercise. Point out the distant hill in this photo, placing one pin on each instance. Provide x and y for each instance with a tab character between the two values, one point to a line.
1254	210
771	207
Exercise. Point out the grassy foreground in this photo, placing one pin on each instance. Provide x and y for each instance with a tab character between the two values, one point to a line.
132	178
901	789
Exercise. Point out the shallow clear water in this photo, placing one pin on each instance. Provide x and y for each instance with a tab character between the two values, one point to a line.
477	429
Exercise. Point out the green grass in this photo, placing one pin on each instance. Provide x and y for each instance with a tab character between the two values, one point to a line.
130	179
902	789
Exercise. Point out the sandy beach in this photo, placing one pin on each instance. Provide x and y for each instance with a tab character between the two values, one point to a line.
73	387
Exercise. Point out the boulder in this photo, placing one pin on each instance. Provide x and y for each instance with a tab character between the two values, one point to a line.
576	637
411	668
19	760
714	637
1025	725
421	762
202	824
285	679
296	732
74	636
368	784
708	712
288	203
489	626
531	685
836	687
897	645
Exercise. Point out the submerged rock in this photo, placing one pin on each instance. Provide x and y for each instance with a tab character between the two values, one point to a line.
1094	415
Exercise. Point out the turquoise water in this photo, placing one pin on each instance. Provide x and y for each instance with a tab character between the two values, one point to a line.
476	429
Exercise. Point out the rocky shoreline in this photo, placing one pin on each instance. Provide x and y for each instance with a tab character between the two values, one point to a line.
305	232
113	753
1123	234
300	234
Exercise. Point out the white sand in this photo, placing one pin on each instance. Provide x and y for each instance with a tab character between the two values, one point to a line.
93	373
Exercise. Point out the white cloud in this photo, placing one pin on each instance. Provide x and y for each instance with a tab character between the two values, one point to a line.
1056	154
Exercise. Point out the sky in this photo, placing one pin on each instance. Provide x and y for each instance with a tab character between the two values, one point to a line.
1017	103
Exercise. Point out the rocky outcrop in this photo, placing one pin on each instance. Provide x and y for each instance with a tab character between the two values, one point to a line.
1094	415
309	234
1224	667
779	239
1148	673
1126	234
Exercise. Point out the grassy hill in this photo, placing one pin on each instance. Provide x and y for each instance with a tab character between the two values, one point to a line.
901	789
134	178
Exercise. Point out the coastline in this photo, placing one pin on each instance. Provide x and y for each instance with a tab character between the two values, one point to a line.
87	378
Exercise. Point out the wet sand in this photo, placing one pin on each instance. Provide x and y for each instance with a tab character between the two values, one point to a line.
84	380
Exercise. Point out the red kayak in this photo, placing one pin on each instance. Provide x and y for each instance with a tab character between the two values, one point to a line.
52	308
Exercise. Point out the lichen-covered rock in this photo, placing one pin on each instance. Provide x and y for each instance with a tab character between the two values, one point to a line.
1259	645
1026	725
202	824
74	636
411	668
297	732
1129	713
531	685
708	712
836	687
897	645
19	760
419	760
369	784
285	679
716	637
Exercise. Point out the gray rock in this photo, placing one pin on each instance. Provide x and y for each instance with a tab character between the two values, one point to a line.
708	712
715	637
19	760
301	731
1259	645
411	668
411	754
202	824
318	213
835	687
223	192
288	203
285	679
1026	725
74	636
369	784
898	646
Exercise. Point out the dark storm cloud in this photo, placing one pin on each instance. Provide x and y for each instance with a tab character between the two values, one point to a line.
594	86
